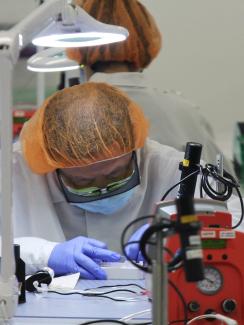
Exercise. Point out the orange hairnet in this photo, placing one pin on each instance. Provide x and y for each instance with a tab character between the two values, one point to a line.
140	48
81	125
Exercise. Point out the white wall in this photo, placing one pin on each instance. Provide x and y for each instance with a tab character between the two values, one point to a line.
12	11
203	56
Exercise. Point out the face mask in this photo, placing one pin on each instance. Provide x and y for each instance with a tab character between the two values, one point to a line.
108	205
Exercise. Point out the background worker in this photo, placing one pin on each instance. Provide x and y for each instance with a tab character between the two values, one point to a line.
173	119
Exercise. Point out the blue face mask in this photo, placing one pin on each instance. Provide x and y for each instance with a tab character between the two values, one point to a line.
108	205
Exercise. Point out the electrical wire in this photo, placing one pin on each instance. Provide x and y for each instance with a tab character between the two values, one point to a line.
114	321
84	295
118	285
124	245
180	295
227	182
227	320
139	313
182	180
166	223
158	227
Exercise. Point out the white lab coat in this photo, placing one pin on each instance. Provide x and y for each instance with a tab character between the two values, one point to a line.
173	119
42	217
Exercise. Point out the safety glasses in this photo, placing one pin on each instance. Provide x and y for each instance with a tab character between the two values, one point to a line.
90	194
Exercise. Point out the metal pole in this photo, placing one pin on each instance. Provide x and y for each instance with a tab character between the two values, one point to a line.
7	265
40	79
8	288
160	282
220	170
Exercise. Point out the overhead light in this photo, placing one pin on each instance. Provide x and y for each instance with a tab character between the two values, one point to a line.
80	29
51	60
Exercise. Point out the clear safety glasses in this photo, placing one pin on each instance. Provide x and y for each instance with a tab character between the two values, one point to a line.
90	194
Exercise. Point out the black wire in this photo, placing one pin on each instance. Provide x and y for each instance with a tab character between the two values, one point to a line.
182	180
148	234
112	321
103	321
124	245
118	285
180	295
108	292
85	295
228	183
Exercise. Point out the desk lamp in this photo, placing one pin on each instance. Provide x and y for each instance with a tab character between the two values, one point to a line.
51	60
11	42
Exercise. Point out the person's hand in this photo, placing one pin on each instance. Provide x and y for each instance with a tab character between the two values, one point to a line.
132	250
82	255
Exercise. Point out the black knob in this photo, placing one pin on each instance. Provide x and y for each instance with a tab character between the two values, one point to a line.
193	306
229	305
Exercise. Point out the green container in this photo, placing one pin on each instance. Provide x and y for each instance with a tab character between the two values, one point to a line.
238	151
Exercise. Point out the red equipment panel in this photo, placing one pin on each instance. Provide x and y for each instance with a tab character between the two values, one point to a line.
222	290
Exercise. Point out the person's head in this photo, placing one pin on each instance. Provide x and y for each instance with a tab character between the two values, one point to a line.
136	52
88	133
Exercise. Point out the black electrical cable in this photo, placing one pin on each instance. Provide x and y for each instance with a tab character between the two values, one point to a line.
124	245
182	180
180	295
228	183
148	234
118	285
108	292
115	321
85	295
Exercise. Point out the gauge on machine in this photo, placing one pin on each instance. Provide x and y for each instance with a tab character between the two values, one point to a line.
213	281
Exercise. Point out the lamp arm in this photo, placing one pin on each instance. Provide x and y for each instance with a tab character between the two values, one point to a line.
22	33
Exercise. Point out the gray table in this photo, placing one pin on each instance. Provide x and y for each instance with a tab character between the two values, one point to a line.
75	309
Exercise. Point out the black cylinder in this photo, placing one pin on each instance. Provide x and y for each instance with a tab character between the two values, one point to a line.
20	273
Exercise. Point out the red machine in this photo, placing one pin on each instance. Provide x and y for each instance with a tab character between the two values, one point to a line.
20	116
222	290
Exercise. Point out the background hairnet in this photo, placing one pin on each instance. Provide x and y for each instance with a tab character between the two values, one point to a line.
140	48
82	125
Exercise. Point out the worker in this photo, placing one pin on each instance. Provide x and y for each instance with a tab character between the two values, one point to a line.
173	119
83	169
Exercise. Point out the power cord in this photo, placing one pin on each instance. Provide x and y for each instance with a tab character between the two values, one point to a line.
228	182
227	320
91	293
139	313
112	321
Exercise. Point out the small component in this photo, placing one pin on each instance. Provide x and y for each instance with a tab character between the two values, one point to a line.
122	270
229	305
193	306
43	276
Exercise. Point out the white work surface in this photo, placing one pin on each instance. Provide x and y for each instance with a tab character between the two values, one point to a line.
76	309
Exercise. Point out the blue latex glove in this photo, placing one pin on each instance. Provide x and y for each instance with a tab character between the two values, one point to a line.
132	250
83	255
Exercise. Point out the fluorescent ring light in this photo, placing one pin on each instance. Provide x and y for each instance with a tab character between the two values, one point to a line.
81	30
51	60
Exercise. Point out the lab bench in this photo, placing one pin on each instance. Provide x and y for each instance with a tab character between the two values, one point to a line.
52	308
